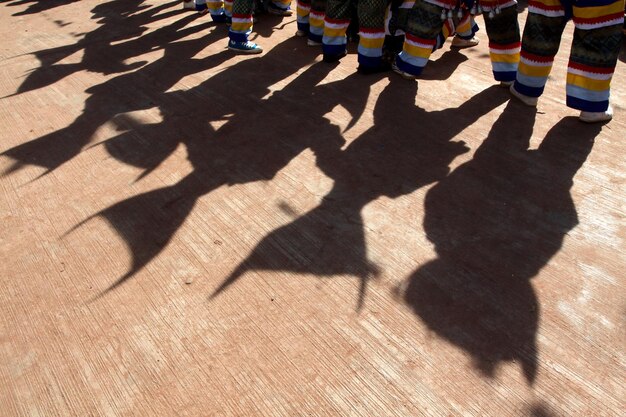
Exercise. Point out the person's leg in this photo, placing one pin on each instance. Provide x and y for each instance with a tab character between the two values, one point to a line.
504	40
316	20
371	35
424	26
216	8
465	30
593	57
540	43
280	7
336	23
303	12
201	7
241	27
228	9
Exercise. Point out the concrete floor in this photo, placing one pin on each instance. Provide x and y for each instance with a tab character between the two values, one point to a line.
188	232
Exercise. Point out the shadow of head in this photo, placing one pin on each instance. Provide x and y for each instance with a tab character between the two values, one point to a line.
496	221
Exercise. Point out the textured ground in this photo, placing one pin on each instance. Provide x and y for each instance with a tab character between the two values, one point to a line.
185	231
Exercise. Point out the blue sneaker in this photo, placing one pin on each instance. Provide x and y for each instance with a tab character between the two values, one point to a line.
245	47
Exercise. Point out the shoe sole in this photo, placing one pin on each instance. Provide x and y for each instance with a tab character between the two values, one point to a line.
403	74
464	46
596	119
280	13
246	51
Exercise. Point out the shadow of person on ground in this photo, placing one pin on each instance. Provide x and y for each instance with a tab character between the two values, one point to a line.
245	149
138	90
496	221
103	49
407	148
37	6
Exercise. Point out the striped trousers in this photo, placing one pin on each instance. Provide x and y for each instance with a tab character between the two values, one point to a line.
593	56
425	28
310	18
371	15
220	10
241	25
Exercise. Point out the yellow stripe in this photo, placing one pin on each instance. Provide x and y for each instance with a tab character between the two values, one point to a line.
417	51
302	12
550	3
534	71
599	11
371	43
465	27
241	27
507	58
588	83
334	32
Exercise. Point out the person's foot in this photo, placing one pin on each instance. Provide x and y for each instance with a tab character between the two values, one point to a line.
527	100
189	5
460	43
330	58
311	42
403	74
202	9
506	84
245	47
273	9
596	117
301	33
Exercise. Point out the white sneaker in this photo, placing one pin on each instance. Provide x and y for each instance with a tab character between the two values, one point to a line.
460	43
527	100
311	42
595	117
189	5
506	84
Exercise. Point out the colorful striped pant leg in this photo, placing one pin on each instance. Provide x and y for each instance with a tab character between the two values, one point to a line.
281	4
241	25
371	32
336	24
594	53
316	20
303	11
216	9
504	39
540	43
228	8
466	28
423	29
